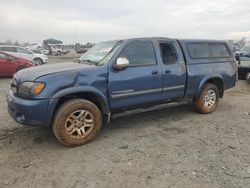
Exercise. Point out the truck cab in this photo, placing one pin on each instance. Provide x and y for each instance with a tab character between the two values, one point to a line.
118	77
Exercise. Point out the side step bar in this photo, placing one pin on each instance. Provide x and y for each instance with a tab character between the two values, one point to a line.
152	108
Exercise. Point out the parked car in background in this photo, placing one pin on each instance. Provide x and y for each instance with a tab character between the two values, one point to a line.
24	53
34	46
66	51
244	68
117	78
56	51
42	51
81	50
244	51
10	64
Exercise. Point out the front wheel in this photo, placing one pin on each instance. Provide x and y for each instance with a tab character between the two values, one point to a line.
77	122
208	99
38	61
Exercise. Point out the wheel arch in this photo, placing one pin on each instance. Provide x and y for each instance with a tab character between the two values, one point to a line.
38	58
215	79
87	92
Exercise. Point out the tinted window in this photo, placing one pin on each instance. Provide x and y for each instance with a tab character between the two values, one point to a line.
199	50
9	49
21	50
219	50
168	53
139	53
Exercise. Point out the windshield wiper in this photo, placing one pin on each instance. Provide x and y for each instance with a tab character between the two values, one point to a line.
87	61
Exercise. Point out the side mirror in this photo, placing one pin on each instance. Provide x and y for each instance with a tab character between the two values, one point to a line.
121	63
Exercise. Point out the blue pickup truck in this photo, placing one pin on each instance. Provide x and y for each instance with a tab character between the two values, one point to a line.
118	77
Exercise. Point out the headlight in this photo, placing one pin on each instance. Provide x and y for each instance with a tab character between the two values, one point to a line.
31	88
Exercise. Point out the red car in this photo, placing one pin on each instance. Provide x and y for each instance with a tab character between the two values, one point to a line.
10	64
81	50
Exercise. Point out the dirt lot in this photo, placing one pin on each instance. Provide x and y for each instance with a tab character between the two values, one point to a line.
169	148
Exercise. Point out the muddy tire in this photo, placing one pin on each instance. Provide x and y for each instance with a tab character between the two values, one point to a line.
77	122
207	100
248	77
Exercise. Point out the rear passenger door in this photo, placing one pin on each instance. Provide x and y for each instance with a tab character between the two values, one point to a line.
141	82
174	70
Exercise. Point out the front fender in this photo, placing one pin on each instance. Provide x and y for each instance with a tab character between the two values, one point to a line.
85	89
205	79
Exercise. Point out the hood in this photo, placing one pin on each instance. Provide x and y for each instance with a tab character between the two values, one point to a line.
35	72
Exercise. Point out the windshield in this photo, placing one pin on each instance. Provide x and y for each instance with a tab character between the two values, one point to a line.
99	52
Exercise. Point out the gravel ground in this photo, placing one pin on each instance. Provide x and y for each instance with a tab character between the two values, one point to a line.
174	147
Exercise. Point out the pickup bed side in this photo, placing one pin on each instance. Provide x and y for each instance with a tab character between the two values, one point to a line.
219	71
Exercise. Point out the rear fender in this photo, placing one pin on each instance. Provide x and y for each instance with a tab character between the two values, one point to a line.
205	80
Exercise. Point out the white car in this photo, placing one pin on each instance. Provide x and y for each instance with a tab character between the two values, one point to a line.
56	51
41	51
34	46
44	51
24	53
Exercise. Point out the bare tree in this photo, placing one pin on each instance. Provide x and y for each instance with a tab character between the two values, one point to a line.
8	42
16	43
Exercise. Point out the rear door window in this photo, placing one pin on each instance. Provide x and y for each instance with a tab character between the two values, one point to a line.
168	53
9	49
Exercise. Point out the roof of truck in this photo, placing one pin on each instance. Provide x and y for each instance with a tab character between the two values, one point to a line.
200	40
179	39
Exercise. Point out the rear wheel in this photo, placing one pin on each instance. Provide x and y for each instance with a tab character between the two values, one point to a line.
208	99
77	122
248	77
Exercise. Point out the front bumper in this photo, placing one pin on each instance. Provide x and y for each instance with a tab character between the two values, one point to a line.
28	112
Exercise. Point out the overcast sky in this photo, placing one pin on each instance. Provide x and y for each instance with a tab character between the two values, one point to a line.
99	20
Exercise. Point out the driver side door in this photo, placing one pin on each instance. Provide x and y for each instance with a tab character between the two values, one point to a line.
141	82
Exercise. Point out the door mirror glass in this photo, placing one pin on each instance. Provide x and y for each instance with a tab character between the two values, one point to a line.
121	63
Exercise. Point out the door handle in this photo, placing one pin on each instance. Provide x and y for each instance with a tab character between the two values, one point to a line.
154	72
167	71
